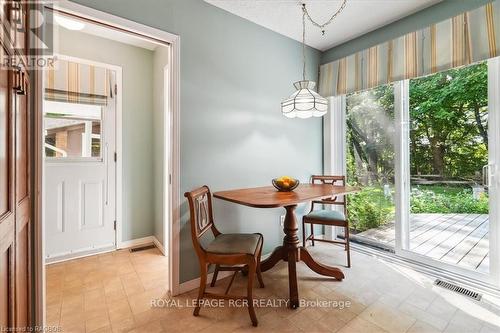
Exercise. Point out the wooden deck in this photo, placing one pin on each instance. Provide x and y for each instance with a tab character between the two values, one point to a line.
458	239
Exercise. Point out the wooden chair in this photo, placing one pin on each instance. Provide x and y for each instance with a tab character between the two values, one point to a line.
229	252
328	217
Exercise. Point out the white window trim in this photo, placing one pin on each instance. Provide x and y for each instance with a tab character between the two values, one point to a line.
401	160
494	159
335	145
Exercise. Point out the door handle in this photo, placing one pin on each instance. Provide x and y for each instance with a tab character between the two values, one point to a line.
492	170
19	81
485	178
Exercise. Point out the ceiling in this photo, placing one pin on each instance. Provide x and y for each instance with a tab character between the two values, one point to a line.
112	34
358	17
119	36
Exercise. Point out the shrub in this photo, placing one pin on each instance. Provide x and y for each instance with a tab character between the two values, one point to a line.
369	209
427	201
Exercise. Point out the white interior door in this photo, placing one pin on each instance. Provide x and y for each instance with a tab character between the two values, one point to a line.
80	177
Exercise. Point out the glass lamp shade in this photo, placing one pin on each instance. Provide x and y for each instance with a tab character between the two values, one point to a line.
305	102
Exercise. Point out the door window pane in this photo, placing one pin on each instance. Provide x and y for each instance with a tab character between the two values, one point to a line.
370	165
72	130
449	200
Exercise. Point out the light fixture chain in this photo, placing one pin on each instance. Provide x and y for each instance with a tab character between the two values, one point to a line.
322	26
304	42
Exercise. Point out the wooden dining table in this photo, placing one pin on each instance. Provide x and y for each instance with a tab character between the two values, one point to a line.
290	251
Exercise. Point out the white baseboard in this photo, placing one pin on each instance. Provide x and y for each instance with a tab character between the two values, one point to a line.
136	242
195	283
123	245
78	255
159	245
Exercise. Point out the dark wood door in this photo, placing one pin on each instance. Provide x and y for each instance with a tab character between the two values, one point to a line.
7	205
23	204
16	232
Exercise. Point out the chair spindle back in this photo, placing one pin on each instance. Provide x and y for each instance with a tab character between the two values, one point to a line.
201	217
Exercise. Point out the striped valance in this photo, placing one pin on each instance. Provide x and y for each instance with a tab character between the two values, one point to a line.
73	82
464	39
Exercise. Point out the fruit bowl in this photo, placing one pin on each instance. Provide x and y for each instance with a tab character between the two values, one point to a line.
285	183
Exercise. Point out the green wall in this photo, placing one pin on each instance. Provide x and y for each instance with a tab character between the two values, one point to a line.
234	75
439	12
137	119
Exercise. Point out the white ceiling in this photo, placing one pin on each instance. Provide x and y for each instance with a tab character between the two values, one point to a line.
119	36
112	34
358	17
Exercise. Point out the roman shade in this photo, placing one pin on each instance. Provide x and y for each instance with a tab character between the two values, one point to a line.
461	40
73	82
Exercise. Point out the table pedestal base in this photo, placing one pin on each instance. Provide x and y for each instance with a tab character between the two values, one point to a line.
291	252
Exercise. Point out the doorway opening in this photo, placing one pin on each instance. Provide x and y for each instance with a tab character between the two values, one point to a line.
109	151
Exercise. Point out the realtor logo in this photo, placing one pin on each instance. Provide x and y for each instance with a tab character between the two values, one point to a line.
33	43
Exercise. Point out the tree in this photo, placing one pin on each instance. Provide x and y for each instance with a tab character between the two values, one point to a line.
448	113
449	126
370	122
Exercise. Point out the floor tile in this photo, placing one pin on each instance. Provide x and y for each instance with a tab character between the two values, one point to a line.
436	321
388	318
113	292
359	325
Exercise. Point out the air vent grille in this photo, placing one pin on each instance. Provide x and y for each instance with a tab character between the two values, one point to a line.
142	248
458	289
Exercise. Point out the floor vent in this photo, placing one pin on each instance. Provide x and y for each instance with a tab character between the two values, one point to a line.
142	248
457	289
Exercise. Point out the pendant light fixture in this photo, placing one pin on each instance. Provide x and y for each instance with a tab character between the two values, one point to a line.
306	102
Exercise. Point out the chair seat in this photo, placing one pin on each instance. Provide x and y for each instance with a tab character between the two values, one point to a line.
325	215
235	244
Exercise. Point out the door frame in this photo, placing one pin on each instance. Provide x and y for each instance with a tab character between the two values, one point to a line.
118	149
173	127
167	160
494	156
335	145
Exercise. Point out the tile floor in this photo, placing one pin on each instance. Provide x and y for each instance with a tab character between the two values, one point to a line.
113	293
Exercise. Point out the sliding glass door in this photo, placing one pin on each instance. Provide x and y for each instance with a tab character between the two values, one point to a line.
425	153
447	171
449	201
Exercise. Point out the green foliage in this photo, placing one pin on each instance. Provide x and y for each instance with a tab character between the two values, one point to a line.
370	123
369	209
448	138
449	122
429	201
448	129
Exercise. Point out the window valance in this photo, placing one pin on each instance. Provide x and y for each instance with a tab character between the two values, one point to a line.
72	82
461	40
